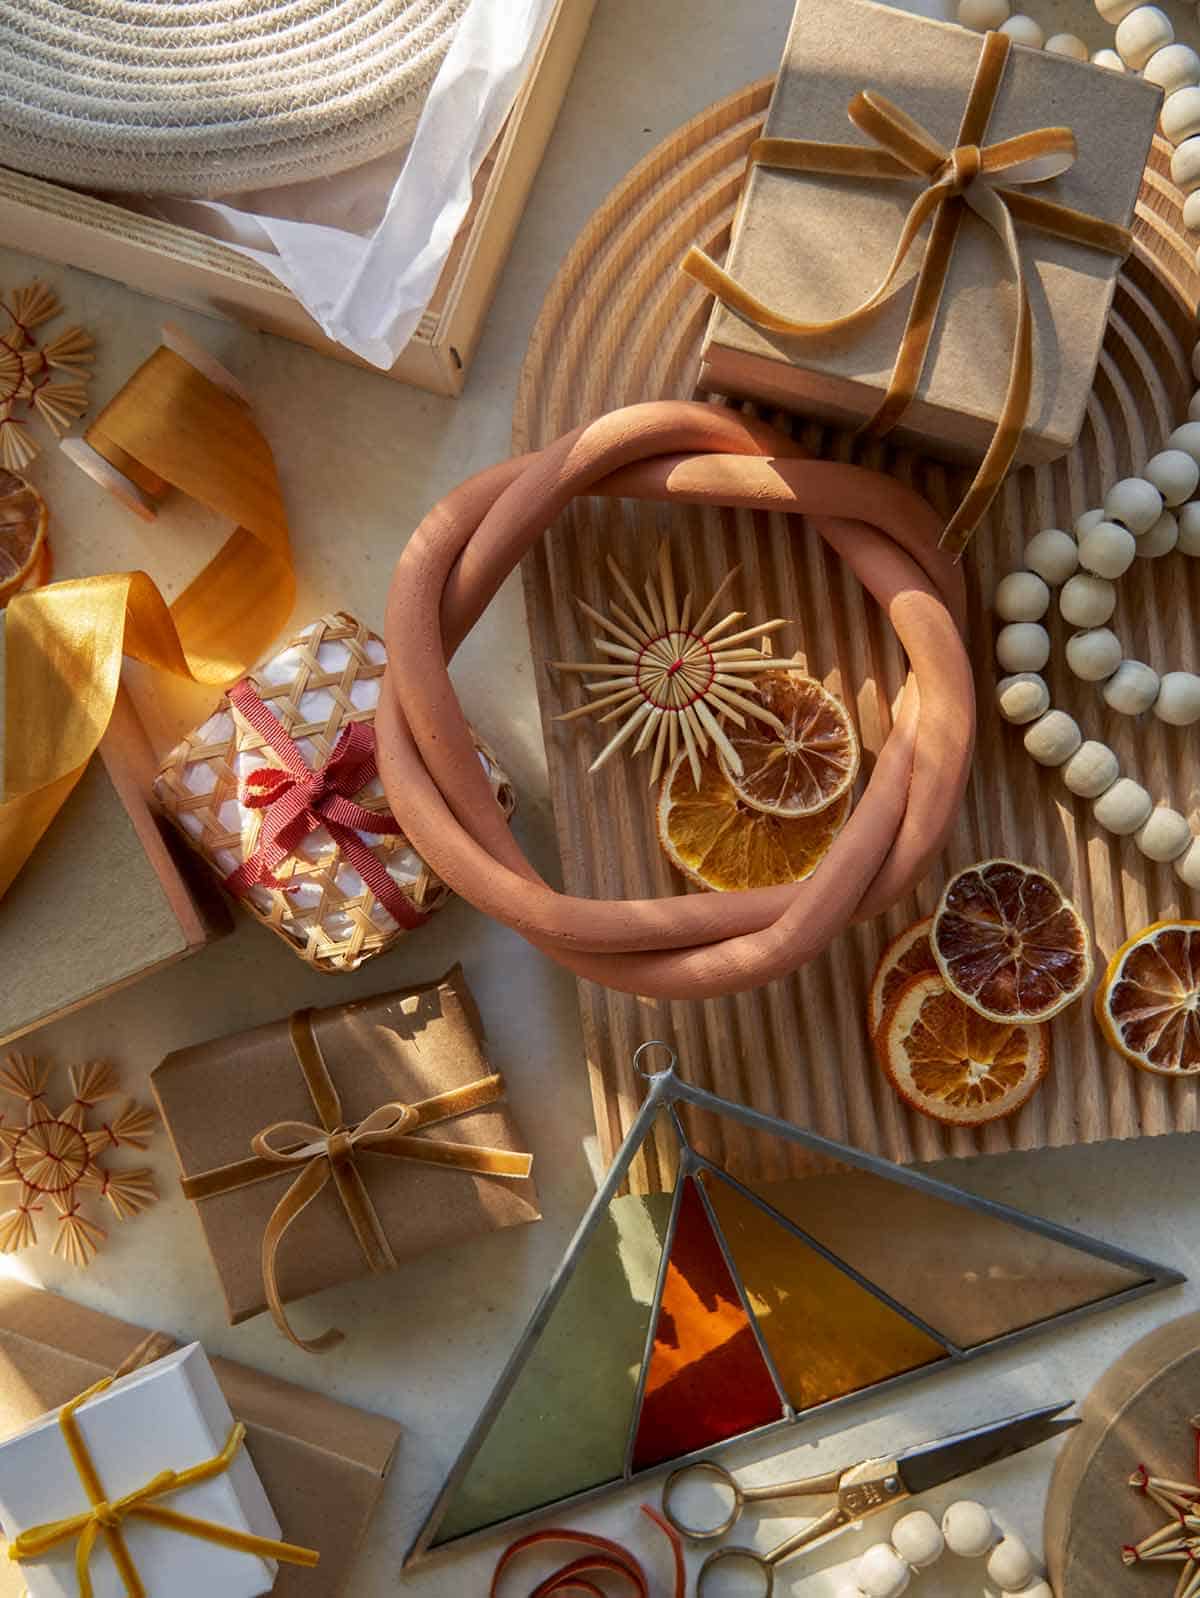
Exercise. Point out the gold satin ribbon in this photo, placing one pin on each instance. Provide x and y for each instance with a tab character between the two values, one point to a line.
331	1151
106	1516
170	424
972	175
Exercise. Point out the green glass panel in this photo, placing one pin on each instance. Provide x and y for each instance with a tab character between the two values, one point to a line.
565	1423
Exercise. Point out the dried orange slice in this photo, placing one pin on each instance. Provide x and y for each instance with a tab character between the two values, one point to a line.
720	842
952	1063
1010	943
1148	1005
905	957
23	521
810	762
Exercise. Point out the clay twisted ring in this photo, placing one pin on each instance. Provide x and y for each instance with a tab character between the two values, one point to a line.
699	945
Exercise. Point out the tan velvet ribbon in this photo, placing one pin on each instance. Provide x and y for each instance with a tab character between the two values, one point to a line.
331	1151
972	175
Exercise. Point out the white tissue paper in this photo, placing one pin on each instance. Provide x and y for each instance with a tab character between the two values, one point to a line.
168	1415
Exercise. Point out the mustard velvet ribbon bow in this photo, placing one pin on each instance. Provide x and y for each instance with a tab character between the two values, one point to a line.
984	178
106	1516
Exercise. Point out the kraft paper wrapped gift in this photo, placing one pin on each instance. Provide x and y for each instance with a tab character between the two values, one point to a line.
425	1153
813	247
322	1464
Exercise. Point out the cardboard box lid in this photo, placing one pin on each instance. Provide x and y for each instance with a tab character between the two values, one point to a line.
814	247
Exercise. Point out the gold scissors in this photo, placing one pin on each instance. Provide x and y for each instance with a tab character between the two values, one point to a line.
860	1491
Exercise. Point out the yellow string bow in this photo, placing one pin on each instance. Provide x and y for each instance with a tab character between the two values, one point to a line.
971	175
170	425
105	1517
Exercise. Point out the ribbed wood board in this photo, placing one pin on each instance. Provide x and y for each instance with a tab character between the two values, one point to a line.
621	324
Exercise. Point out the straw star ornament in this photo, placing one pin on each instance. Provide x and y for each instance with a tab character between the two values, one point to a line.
48	379
53	1157
1179	1540
669	678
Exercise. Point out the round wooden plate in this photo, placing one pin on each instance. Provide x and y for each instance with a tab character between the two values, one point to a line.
621	324
1138	1413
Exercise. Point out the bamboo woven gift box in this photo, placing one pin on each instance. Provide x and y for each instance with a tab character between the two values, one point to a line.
278	791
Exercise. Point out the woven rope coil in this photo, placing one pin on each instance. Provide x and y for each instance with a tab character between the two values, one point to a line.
216	95
327	677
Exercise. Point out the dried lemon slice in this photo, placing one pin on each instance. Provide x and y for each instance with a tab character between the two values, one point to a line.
805	765
720	842
23	522
1148	1005
953	1064
907	956
1010	943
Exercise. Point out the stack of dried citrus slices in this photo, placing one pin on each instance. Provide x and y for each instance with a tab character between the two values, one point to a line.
772	821
959	1005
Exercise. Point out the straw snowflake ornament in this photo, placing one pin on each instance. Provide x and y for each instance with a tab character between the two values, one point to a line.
48	379
669	678
53	1157
1179	1540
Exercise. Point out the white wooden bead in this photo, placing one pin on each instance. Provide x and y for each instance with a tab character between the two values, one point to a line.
847	1587
1024	30
1053	738
1186	437
1139	34
1178	702
1187	867
1094	656
1165	836
1109	60
1091	770
1052	554
1040	1589
968	1529
1191	211
1023	646
882	1573
1185	165
1135	503
1161	539
982	14
1115	11
1174	67
917	1537
1023	596
1124	807
1023	697
1107	550
1189	528
1085	523
1174	473
1193	403
1010	1564
1131	689
1180	117
1085	601
1067	44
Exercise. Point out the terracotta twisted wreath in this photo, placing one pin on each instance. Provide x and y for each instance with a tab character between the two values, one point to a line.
698	945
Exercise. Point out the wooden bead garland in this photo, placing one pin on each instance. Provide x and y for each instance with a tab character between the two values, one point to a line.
918	1542
1142	517
1144	42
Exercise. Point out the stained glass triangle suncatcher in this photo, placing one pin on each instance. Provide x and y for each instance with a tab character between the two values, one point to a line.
677	1322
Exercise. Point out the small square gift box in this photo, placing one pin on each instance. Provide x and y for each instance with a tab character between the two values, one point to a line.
140	1485
348	1139
279	792
929	238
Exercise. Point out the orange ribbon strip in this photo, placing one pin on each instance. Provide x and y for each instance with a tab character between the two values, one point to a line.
170	425
971	175
330	1152
105	1517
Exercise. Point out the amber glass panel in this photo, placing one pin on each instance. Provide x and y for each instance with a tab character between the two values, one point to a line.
970	1276
827	1334
564	1425
707	1378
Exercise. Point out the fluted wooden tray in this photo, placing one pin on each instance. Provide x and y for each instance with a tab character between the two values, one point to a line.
620	324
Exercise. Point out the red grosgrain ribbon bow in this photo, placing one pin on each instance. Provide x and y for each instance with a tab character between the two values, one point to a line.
296	800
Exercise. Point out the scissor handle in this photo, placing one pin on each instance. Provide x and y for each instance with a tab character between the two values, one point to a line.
710	1468
763	1567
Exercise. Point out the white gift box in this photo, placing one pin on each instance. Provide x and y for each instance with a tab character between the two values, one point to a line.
168	1415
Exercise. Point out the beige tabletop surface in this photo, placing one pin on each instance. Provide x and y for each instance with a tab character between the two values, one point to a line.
361	460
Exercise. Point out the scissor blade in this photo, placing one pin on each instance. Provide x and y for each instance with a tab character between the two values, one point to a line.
930	1464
